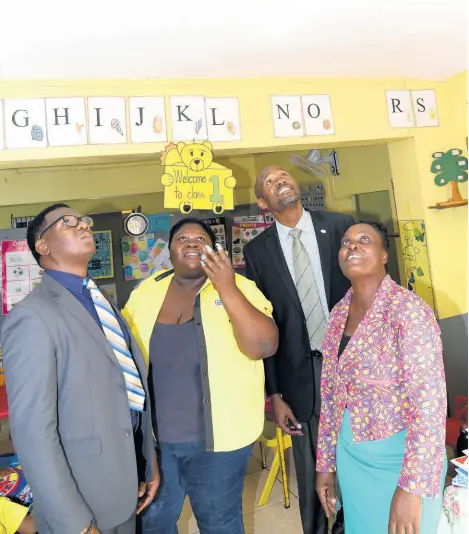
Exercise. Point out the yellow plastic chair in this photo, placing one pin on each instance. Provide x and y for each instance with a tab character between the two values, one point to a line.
274	438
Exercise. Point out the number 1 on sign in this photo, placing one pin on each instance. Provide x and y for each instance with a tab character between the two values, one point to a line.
216	197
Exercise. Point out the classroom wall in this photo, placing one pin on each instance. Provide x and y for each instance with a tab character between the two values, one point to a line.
360	117
363	169
358	106
447	236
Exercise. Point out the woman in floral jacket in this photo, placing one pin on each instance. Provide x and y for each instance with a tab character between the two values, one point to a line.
383	392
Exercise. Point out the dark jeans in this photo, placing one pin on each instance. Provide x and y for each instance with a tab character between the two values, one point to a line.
213	481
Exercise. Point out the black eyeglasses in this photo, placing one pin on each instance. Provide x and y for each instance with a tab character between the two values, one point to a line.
71	221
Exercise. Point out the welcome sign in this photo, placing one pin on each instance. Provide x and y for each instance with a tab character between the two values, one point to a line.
192	180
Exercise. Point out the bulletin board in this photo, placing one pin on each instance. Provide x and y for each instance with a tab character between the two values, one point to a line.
102	263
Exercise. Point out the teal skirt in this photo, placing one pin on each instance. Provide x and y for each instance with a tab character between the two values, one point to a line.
368	474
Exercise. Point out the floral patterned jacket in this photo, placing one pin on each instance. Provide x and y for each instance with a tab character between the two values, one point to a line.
391	378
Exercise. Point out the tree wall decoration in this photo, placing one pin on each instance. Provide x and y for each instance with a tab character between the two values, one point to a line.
450	168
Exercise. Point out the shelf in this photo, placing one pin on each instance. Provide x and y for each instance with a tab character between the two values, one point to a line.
449	204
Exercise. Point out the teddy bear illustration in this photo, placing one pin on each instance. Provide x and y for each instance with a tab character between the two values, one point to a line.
197	157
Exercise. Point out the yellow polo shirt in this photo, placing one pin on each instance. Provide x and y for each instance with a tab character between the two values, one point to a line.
232	384
11	516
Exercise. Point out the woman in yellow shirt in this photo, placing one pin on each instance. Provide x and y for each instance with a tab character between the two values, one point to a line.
204	331
14	518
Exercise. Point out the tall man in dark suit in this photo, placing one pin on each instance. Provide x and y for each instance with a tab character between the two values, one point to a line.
77	389
295	264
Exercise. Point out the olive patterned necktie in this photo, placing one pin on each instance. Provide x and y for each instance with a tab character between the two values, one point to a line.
308	292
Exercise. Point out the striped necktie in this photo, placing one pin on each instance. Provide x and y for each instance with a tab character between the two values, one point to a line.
308	292
113	333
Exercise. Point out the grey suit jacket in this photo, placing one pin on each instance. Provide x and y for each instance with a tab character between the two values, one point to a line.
69	413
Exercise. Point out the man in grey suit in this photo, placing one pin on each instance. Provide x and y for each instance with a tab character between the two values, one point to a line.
80	419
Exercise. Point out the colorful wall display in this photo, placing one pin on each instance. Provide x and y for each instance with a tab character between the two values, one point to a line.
63	121
417	264
43	122
218	225
20	273
244	229
145	255
192	180
102	263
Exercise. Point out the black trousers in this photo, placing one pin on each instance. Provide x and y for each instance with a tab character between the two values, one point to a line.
313	518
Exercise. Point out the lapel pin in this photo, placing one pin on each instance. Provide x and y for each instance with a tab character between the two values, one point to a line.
323	231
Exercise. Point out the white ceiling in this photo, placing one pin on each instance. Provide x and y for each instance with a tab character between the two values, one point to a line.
242	38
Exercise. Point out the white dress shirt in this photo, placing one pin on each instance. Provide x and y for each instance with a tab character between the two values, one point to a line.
308	238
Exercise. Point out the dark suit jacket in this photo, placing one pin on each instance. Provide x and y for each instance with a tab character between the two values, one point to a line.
292	371
69	413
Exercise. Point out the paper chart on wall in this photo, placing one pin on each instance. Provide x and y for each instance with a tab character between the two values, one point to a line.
245	229
20	273
218	225
145	255
416	261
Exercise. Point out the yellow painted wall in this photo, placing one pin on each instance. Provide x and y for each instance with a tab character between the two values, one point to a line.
359	110
416	192
360	117
362	169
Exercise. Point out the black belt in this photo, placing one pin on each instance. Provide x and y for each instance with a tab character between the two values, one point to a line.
316	354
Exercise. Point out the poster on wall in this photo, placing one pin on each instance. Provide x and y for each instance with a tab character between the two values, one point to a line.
317	112
188	117
287	116
269	219
244	229
147	119
425	109
159	222
66	121
25	123
218	225
20	273
417	265
223	119
400	111
102	263
107	121
192	180
145	255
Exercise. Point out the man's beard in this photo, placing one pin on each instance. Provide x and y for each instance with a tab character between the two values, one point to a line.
287	201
